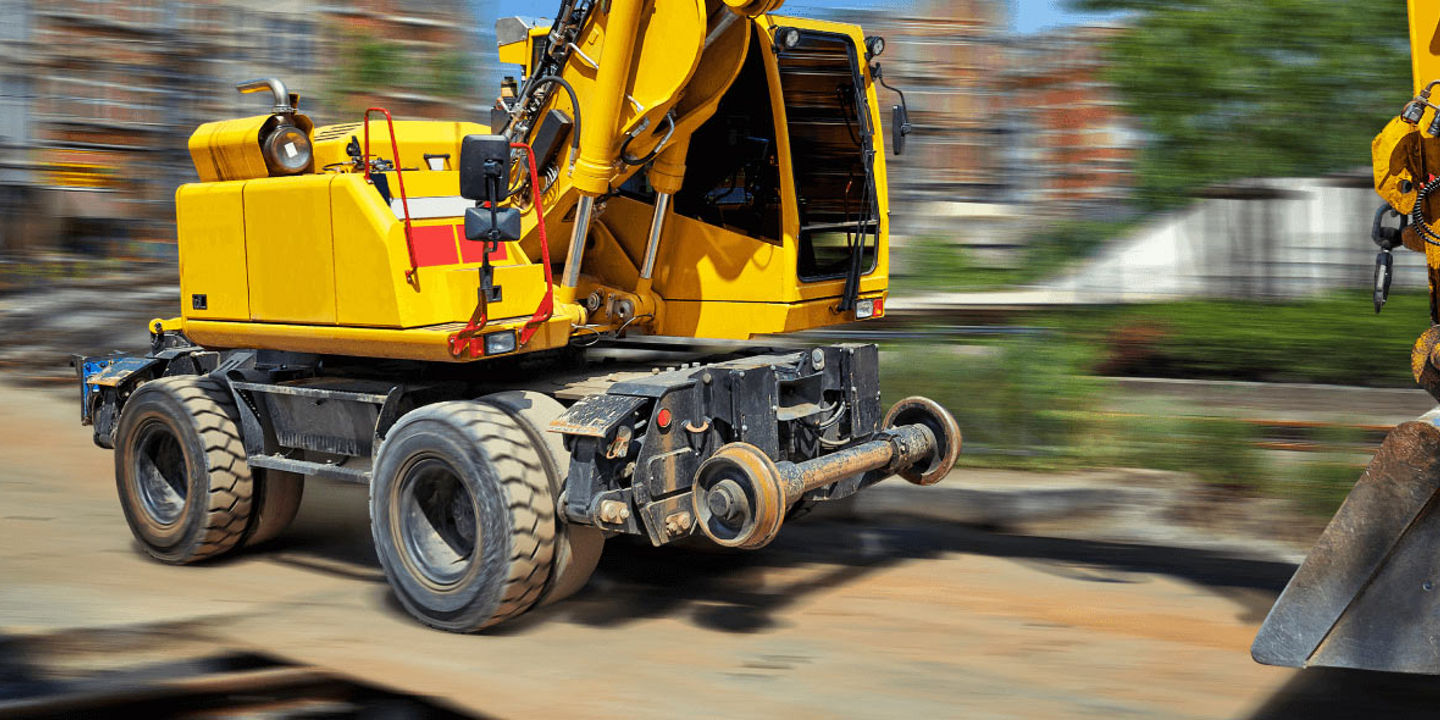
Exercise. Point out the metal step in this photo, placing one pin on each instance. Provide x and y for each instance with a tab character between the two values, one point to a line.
329	471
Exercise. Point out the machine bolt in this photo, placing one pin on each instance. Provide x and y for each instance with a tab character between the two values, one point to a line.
614	512
725	499
817	358
677	523
707	378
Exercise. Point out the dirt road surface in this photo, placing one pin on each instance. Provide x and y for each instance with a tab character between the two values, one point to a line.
890	616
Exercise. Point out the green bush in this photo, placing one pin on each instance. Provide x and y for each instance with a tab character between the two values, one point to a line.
1021	398
1317	487
1221	452
1333	340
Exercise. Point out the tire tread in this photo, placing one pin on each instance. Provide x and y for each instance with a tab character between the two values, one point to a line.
211	412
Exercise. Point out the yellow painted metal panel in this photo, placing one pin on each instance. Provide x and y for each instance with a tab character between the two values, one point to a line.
522	52
371	259
1424	41
522	286
370	255
428	343
742	320
289	252
699	261
229	149
210	224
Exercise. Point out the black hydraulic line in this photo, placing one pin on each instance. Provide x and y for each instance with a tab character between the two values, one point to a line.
625	147
574	103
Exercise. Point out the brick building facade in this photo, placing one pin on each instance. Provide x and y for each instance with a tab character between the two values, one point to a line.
98	97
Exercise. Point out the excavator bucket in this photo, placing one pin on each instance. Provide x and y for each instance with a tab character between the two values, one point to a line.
1368	595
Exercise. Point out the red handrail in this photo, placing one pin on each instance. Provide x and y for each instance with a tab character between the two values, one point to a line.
464	339
547	304
400	177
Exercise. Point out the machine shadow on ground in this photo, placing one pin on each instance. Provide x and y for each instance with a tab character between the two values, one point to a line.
738	592
1333	694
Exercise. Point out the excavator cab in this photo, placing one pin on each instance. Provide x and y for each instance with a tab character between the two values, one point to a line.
771	165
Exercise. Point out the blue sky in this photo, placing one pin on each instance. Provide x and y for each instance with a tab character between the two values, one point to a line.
1026	15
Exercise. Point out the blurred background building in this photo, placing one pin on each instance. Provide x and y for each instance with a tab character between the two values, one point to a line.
1072	147
98	97
945	56
1009	128
1015	133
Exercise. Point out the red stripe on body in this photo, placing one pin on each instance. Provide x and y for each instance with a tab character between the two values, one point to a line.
434	245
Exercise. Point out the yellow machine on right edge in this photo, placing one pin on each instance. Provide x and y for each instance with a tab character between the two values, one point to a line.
1368	595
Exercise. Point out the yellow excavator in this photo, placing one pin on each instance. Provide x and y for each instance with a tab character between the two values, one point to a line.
1368	595
496	326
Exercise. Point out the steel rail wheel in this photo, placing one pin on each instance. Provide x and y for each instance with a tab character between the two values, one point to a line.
927	412
738	500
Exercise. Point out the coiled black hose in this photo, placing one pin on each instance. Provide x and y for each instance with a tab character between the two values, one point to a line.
1417	215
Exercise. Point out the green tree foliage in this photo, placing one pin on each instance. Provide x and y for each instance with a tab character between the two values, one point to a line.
374	62
1225	89
450	74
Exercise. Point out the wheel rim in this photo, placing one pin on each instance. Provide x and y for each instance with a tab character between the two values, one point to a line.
437	519
756	506
159	471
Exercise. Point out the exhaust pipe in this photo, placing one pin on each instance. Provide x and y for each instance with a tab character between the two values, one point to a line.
740	495
284	103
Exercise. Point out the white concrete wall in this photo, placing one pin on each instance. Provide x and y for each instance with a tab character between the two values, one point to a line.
1314	239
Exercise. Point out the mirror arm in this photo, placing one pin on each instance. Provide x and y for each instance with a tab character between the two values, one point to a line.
879	76
902	126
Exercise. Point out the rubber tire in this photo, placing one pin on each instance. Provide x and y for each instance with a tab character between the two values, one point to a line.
200	414
273	507
502	470
577	547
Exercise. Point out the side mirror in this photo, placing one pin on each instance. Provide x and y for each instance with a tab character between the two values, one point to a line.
483	224
484	168
899	128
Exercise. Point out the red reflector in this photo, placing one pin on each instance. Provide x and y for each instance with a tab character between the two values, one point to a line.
663	418
879	307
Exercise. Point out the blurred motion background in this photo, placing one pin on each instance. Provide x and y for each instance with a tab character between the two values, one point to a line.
1126	233
1095	189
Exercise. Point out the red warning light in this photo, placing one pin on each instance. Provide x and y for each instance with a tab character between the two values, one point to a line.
663	418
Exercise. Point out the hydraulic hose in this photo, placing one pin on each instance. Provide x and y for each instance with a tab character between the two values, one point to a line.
625	147
574	103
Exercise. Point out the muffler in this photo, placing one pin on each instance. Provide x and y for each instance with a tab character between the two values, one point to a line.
740	496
